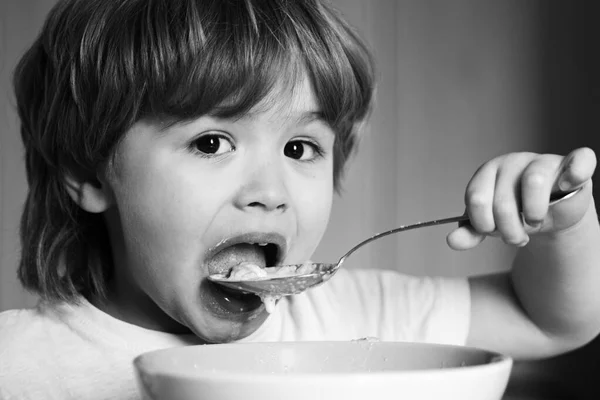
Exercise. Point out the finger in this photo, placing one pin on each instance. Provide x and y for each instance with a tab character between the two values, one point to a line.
463	238
577	168
536	186
479	196
506	205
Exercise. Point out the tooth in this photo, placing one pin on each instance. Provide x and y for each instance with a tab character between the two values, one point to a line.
263	244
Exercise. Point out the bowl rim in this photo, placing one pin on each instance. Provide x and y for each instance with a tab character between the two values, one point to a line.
498	362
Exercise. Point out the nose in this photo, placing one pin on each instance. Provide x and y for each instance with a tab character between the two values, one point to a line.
264	189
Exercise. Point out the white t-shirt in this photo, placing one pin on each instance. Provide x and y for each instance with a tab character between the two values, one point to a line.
65	351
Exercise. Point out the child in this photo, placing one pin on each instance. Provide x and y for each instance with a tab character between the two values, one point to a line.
168	140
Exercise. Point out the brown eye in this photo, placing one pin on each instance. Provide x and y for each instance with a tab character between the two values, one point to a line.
302	150
213	144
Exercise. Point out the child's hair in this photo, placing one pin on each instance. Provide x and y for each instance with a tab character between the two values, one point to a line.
99	66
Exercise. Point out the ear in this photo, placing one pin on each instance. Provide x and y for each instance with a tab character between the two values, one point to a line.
91	194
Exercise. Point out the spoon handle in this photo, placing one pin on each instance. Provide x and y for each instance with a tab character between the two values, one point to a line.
554	198
402	228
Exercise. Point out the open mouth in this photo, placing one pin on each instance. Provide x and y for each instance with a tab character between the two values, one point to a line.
263	250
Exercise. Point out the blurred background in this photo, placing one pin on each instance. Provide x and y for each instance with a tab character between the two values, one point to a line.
459	82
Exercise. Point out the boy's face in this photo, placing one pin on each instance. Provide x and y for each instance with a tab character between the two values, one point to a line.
197	198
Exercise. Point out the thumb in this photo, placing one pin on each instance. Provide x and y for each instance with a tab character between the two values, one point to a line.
576	169
464	237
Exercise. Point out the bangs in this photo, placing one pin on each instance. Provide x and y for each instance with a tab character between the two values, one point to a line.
185	59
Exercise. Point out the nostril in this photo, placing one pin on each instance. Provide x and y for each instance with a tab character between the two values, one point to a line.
258	204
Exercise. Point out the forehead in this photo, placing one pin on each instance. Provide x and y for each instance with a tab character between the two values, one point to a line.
291	102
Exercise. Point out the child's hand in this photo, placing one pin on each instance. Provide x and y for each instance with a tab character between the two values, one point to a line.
524	181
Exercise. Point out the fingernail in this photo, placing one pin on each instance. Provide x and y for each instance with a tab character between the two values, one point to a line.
534	224
564	184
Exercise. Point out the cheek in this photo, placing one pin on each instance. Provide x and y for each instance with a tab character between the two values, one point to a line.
155	206
314	208
165	213
167	194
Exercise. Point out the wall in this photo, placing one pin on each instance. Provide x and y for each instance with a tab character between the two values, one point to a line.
19	23
456	88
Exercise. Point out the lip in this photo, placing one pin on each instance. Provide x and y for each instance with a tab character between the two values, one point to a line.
249	237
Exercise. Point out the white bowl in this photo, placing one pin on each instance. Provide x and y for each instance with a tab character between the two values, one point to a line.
322	370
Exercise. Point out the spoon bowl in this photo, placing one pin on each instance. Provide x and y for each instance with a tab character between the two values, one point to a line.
277	286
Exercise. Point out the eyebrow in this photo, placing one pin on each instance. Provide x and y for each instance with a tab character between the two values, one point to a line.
301	118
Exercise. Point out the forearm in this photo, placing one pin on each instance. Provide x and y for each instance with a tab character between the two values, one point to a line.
556	279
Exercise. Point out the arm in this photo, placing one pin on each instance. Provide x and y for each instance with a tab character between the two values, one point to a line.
548	303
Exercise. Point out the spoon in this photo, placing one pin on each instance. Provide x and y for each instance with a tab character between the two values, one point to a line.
278	286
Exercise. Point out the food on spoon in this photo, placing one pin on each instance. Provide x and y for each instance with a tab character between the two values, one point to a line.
284	270
306	268
247	271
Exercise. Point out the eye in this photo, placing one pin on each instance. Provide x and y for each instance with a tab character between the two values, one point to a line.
302	150
213	144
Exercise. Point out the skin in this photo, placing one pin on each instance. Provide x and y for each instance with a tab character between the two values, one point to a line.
167	205
547	304
176	193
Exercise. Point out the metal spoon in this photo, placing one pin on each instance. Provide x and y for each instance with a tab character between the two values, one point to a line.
278	286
